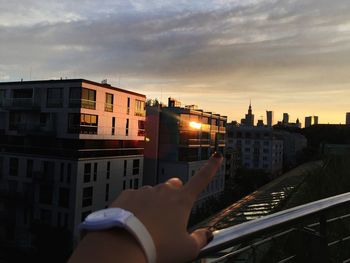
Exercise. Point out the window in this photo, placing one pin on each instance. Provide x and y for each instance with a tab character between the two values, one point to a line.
127	127
45	216
82	123
124	184
45	194
109	102
107	192
63	197
95	172
1	167
75	97
141	130
136	183
87	196
15	120
140	109
113	125
135	167
125	167
87	172
48	169
88	99
62	173
130	183
108	170
2	96
128	106
54	98
69	172
13	168
30	164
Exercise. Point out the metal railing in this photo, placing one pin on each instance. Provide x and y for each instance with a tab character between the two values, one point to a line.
257	240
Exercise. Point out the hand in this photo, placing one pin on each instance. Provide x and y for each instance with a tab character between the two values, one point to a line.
165	210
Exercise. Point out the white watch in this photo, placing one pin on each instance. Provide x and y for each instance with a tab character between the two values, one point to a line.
117	217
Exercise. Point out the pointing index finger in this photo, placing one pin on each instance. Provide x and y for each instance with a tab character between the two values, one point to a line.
202	178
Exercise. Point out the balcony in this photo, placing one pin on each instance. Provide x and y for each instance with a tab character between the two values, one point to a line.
315	232
34	129
109	107
194	142
82	103
21	104
222	129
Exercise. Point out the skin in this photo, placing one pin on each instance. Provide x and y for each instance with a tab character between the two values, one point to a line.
164	210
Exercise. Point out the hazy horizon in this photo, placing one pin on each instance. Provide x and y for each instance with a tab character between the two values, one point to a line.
286	56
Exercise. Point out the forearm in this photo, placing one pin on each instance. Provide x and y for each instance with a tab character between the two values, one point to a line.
115	245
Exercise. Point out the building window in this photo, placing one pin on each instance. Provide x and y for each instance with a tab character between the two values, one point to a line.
130	183
45	194
128	106
62	173
87	172
125	167
108	170
88	99
140	108
54	98
15	120
124	184
109	102
82	123
95	172
69	172
75	97
141	129
135	166
127	127
1	167
2	96
113	125
45	216
136	183
63	197
30	164
87	196
13	168
107	193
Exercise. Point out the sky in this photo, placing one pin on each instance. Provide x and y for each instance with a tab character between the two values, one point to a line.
287	56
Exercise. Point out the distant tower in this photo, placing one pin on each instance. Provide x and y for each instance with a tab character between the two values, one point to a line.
269	118
249	118
285	118
347	118
311	120
298	124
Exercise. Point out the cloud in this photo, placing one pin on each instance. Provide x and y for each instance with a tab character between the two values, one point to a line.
227	46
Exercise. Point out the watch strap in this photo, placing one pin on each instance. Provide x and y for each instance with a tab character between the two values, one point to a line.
139	231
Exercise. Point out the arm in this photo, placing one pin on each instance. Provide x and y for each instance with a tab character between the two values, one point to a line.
164	210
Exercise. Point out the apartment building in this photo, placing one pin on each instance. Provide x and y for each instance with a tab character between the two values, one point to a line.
179	140
67	147
258	147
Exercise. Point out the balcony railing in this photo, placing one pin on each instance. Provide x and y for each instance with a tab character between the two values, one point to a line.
83	103
301	234
21	103
109	107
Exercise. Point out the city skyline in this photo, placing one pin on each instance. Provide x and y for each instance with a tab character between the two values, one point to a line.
286	56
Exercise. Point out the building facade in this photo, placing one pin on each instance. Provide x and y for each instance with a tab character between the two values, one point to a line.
68	147
258	148
179	140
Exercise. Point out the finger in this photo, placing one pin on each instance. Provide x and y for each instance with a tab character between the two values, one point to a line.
203	177
174	182
202	237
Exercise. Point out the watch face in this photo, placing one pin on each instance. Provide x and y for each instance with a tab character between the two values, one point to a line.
110	214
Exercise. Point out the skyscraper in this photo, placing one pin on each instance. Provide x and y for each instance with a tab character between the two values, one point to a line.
269	118
285	118
311	120
249	117
347	118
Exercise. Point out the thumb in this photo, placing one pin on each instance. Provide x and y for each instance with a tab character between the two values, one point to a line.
202	237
